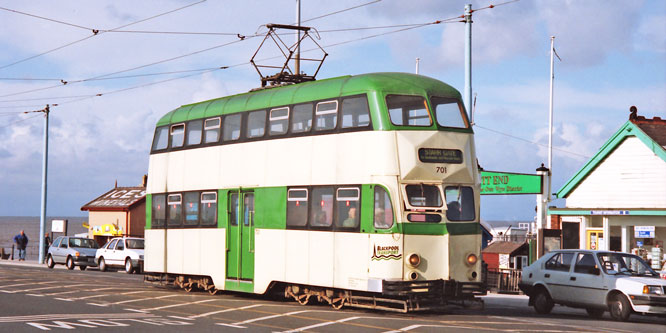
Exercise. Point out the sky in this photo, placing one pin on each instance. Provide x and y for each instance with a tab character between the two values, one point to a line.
120	82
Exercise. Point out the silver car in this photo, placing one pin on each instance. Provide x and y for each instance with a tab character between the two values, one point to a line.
72	251
124	252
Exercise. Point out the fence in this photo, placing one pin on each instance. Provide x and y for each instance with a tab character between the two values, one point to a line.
503	280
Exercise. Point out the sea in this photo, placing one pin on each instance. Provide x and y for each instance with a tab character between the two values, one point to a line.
11	226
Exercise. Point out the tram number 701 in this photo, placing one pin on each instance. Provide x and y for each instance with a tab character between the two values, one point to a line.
440	169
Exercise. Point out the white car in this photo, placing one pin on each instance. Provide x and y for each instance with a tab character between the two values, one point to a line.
596	281
124	252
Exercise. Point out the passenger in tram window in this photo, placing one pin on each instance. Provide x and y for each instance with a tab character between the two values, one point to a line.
350	222
453	211
320	219
380	219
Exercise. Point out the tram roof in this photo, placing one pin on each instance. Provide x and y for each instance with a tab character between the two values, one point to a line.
403	83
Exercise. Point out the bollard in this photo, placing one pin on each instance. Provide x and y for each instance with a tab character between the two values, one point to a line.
12	251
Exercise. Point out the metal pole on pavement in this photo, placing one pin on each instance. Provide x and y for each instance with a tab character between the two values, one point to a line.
550	112
45	158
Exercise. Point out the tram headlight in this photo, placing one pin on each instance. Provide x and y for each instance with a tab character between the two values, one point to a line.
414	260
472	259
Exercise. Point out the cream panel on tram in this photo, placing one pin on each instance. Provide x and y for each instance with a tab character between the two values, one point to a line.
321	249
269	257
175	251
212	261
157	169
154	250
464	245
351	261
386	256
175	171
298	256
323	159
201	165
193	250
287	163
434	252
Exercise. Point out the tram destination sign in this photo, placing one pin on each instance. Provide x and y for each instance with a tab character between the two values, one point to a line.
435	155
493	182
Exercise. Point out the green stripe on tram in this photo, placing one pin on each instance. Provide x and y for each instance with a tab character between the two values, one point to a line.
149	210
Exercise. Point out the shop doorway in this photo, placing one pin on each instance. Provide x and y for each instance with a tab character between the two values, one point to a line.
570	235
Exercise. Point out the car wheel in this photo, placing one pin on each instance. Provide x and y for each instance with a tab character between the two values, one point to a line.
619	307
69	263
543	304
49	262
83	268
102	264
129	268
595	313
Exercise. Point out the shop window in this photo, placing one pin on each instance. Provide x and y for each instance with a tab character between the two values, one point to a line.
449	112
301	118
297	207
348	208
383	210
321	215
279	120
158	211
191	202
212	130
408	110
194	129
232	127
208	208
256	124
326	115
175	213
161	140
460	203
177	135
355	112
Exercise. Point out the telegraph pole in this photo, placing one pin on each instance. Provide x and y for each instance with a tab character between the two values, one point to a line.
467	99
45	158
550	113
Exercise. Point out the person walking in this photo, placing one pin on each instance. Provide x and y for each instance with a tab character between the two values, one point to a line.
47	243
21	241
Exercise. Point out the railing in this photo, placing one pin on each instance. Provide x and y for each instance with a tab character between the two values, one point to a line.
503	280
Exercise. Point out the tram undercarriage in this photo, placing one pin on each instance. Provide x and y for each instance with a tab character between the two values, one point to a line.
398	296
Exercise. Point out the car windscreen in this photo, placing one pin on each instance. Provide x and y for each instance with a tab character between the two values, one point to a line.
83	242
623	263
134	244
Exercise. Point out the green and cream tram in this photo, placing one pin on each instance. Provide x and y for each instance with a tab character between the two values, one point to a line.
357	190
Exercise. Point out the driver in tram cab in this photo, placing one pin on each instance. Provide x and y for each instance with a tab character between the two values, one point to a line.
350	222
380	219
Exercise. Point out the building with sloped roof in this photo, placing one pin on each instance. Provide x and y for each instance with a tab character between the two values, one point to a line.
617	200
120	211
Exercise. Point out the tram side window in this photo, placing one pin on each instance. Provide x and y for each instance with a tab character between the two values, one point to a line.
208	208
232	127
408	110
297	207
301	118
191	201
326	116
256	124
321	214
212	130
158	210
161	140
194	132
459	203
355	112
422	195
175	214
348	207
383	214
449	112
177	135
279	121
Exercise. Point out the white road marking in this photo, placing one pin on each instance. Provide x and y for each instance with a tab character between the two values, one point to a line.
23	284
230	325
99	295
573	327
76	291
322	324
226	310
271	317
66	316
142	299
51	287
179	304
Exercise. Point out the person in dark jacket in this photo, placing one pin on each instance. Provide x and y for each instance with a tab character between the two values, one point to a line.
21	241
47	243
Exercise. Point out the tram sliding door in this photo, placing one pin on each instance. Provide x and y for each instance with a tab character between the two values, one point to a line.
240	236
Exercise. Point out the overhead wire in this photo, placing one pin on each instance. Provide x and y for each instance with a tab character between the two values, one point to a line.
529	141
97	33
19	121
45	18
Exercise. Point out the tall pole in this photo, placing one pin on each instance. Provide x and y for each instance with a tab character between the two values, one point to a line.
417	65
467	99
45	159
297	59
550	113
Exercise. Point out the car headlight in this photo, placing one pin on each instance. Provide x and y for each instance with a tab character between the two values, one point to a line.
77	254
653	290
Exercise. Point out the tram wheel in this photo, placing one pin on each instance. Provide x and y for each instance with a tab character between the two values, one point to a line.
188	288
303	299
213	291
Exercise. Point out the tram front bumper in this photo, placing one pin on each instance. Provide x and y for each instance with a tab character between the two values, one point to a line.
447	289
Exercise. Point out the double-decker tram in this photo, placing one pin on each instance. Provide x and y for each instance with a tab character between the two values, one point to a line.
358	190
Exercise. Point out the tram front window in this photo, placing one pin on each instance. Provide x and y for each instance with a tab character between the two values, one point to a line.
408	110
448	112
459	203
422	195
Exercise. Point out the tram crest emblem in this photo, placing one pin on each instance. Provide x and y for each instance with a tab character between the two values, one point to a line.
391	252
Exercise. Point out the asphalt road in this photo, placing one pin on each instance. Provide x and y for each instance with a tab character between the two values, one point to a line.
34	298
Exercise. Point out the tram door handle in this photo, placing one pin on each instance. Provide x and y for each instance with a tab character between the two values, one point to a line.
250	234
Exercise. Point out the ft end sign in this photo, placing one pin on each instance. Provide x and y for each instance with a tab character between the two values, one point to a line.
493	182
